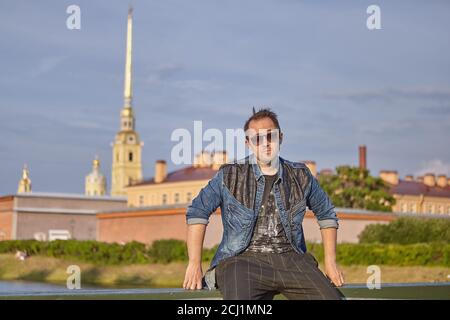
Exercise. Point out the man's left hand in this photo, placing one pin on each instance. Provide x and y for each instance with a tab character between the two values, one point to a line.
334	273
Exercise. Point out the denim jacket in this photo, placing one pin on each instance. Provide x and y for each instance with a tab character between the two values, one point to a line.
238	187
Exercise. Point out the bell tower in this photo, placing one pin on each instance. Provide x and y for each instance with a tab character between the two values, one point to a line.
127	147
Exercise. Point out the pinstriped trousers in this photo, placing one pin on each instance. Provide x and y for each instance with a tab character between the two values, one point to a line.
260	276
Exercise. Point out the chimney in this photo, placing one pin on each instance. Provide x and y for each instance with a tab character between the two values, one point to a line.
389	176
442	180
312	167
420	179
219	158
160	171
409	177
362	157
429	179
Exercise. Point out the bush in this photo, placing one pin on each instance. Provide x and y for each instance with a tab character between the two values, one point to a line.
165	251
408	231
420	254
89	251
161	251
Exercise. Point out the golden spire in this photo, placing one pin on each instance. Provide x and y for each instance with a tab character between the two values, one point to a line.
127	147
128	88
127	115
25	172
25	182
96	163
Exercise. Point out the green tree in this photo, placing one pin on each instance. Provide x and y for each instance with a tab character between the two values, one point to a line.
354	187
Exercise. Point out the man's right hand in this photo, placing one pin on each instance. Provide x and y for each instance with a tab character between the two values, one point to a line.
193	277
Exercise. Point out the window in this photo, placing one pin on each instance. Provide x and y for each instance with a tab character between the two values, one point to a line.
164	198
410	207
130	180
130	156
403	207
189	197
141	200
117	156
177	197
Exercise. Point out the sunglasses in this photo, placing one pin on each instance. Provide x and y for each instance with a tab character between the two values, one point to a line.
270	136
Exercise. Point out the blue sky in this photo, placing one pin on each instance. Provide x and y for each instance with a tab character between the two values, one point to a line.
334	83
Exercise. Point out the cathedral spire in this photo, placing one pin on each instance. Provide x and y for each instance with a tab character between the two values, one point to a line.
126	164
127	114
128	88
25	182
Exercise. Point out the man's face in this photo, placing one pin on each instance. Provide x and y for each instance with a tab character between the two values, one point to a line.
264	139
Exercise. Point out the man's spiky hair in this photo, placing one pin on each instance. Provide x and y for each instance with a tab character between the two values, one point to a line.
261	114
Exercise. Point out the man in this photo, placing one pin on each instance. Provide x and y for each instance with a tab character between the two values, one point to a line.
263	201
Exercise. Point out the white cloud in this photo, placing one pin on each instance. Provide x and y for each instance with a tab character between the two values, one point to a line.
435	166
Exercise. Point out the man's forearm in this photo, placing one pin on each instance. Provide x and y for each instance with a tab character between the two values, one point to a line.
195	237
329	236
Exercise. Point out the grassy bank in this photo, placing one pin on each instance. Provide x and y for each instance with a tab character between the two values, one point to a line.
47	269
